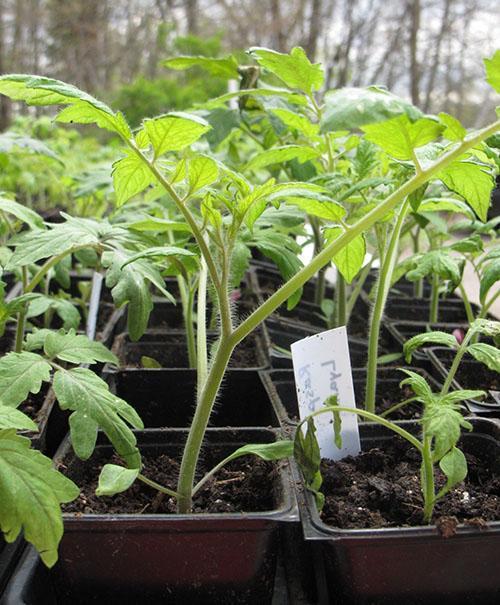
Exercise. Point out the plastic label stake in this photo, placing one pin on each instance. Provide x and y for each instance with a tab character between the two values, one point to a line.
322	368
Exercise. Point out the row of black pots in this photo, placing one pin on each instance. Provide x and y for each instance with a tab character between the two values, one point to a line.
153	381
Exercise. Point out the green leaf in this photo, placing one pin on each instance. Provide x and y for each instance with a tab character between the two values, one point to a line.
492	67
350	259
10	418
130	177
418	385
442	421
489	278
420	340
240	261
462	395
174	131
24	214
77	348
308	456
65	309
454	131
159	225
445	205
31	491
454	466
115	479
328	210
129	285
294	69
472	182
20	375
202	171
267	451
11	142
399	137
350	108
295	121
36	90
278	155
487	354
94	407
150	363
487	327
439	263
226	67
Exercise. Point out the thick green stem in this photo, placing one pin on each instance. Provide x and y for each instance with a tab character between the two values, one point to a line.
468	308
206	399
341	300
363	224
382	291
428	479
319	292
187	301
201	323
356	291
434	305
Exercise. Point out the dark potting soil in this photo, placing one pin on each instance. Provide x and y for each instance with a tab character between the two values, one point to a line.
244	485
6	344
381	488
388	395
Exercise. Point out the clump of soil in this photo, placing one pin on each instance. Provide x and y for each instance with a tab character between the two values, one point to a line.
381	488
246	484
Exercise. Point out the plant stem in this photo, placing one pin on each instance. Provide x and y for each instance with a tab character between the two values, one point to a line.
456	362
369	416
199	424
468	308
356	291
21	316
319	292
187	301
157	486
341	302
362	225
434	305
428	479
382	291
201	323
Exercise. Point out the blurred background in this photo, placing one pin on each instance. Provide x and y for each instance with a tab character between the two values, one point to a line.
428	51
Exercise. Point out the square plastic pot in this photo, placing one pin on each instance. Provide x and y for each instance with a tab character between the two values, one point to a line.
468	376
410	565
170	350
198	558
166	398
282	391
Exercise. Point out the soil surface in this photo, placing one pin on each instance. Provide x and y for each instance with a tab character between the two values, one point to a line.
381	488
246	484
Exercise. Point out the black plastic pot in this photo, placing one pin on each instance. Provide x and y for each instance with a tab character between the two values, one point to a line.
451	312
282	336
202	558
282	391
404	330
9	556
471	374
269	280
170	350
411	565
166	398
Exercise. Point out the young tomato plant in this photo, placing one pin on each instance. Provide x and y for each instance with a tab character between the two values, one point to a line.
216	203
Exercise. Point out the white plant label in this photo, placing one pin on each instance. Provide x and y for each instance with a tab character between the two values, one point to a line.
322	368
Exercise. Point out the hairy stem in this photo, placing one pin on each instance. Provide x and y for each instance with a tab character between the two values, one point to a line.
341	300
201	324
382	291
428	489
456	362
21	316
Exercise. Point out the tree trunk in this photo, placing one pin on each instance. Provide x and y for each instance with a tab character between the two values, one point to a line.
414	11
